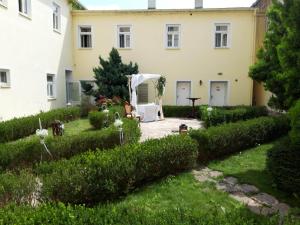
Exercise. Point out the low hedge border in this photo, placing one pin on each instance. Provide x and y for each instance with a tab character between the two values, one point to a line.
27	152
95	177
221	115
22	127
177	111
229	138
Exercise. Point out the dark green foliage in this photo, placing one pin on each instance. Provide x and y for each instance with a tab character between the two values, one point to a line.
229	138
27	152
295	123
177	111
221	115
110	77
76	5
95	177
22	127
97	119
278	62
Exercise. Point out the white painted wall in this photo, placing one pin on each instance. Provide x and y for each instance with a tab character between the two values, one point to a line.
30	49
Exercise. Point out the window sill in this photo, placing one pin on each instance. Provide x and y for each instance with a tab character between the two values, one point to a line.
4	5
25	15
222	47
124	48
5	86
56	31
85	48
170	48
51	98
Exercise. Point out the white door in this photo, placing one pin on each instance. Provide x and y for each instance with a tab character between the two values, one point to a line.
183	92
218	93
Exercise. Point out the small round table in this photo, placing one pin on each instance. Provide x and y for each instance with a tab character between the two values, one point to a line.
193	115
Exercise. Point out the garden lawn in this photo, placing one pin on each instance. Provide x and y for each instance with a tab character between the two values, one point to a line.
250	167
75	127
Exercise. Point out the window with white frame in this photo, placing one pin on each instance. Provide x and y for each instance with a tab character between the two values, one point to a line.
173	36
3	2
51	87
85	36
221	35
25	7
4	78
124	37
56	17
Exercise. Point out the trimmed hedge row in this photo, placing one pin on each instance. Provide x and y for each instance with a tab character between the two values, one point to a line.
95	177
22	127
27	152
97	119
229	138
177	111
221	115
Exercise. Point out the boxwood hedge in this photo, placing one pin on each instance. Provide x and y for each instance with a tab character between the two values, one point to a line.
177	111
21	127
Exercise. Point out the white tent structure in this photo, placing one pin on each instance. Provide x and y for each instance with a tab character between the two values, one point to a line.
148	112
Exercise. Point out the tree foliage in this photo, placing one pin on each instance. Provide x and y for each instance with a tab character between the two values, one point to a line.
110	77
76	5
278	65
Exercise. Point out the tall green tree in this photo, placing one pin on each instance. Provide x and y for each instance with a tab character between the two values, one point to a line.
278	65
110	77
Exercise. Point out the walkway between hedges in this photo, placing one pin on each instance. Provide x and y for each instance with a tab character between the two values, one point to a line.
249	195
159	129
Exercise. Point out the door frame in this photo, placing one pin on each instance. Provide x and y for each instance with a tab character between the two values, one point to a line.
176	85
227	91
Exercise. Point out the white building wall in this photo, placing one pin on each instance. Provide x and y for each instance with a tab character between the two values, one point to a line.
29	49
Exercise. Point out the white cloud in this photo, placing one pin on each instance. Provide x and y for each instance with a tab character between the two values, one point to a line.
103	7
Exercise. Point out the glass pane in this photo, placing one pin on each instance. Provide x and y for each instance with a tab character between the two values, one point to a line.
124	29
75	92
173	28
86	41
3	77
85	29
50	78
26	6
170	40
176	40
122	41
20	6
218	40
128	41
221	28
224	40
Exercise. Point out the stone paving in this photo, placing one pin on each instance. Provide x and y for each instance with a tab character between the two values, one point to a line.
168	126
249	195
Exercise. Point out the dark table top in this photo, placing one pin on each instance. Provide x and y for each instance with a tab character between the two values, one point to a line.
193	98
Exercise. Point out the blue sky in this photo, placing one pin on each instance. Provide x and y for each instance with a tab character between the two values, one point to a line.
162	4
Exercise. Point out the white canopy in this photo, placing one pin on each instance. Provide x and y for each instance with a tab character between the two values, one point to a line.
136	80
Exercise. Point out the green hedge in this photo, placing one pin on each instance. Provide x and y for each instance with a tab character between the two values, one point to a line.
229	138
27	152
221	115
94	177
97	120
22	127
177	111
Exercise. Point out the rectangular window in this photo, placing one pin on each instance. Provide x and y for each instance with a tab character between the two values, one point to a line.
51	87
4	78
221	35
25	7
124	36
56	17
142	93
85	36
173	36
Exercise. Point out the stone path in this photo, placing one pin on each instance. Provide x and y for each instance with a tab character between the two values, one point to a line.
256	201
166	127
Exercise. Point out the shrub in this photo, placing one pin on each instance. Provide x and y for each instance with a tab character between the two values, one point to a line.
27	152
97	119
221	115
295	124
228	138
86	106
21	127
177	111
94	177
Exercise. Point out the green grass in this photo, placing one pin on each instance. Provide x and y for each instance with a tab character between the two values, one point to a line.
250	167
75	127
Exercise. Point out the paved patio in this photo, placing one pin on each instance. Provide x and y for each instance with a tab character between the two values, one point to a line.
166	127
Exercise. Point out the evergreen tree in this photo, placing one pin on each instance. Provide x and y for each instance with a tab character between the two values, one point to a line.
110	77
278	65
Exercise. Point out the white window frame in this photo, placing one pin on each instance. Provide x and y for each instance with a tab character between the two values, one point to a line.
6	84
25	4
173	33
53	83
3	3
56	17
228	33
126	34
85	33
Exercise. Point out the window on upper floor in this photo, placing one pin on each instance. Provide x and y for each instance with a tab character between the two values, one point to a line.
124	36
85	37
173	36
3	3
25	7
56	17
51	86
4	78
222	35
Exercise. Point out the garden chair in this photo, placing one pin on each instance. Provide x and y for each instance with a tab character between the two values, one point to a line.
129	112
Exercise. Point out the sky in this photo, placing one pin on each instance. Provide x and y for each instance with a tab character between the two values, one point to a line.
162	4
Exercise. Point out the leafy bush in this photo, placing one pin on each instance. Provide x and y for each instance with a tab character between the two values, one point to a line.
177	111
97	119
27	152
86	106
295	124
221	115
228	138
21	127
94	177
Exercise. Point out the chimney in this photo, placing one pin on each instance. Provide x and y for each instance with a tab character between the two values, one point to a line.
151	4
198	4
